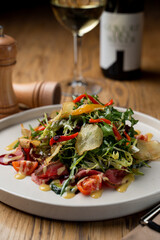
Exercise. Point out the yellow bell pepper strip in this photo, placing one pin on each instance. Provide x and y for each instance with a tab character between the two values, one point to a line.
78	99
62	138
116	133
86	108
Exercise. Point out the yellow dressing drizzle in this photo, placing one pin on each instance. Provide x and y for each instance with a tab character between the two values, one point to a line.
138	132
68	195
150	135
44	187
10	146
127	180
96	194
20	176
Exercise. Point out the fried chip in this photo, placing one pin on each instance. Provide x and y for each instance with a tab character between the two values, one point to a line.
66	110
148	150
25	132
89	138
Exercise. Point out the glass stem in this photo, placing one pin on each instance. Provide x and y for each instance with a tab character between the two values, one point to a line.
77	58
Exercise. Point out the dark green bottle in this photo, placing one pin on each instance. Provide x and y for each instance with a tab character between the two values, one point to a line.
121	30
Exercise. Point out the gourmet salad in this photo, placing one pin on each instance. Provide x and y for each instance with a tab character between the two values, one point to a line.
86	147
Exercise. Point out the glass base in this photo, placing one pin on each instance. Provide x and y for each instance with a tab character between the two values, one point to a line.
76	88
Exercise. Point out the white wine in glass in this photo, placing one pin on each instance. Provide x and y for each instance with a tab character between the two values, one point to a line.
79	17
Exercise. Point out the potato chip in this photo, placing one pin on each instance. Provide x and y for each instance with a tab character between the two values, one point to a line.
25	143
66	110
89	138
25	132
148	150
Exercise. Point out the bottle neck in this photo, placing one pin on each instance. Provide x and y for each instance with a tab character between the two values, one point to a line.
125	6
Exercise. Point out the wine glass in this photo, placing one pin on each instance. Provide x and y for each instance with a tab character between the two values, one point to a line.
79	17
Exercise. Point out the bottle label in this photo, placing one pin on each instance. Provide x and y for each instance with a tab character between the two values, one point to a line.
121	32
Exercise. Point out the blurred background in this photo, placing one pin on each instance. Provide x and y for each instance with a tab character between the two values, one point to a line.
45	53
40	38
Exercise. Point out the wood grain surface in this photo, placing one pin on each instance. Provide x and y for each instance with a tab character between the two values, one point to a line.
45	53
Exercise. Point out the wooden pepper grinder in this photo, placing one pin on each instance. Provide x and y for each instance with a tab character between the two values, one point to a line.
8	50
37	94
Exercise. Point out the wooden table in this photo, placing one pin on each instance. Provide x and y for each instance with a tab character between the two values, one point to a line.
45	53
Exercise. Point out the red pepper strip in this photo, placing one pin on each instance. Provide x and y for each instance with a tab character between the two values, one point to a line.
127	136
27	150
78	99
40	128
109	103
92	99
85	95
116	133
63	138
91	120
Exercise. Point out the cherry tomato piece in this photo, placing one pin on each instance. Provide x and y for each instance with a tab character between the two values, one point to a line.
25	167
90	184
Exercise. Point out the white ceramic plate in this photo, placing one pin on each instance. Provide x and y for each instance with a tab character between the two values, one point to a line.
26	196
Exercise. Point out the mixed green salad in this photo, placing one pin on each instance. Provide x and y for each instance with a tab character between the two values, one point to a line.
85	147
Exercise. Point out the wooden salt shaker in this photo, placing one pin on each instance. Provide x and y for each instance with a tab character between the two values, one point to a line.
8	50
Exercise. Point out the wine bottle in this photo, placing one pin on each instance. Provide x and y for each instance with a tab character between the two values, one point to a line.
121	29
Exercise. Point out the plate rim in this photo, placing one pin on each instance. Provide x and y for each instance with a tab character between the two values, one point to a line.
6	122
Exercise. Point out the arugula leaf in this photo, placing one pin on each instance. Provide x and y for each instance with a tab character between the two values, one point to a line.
107	130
